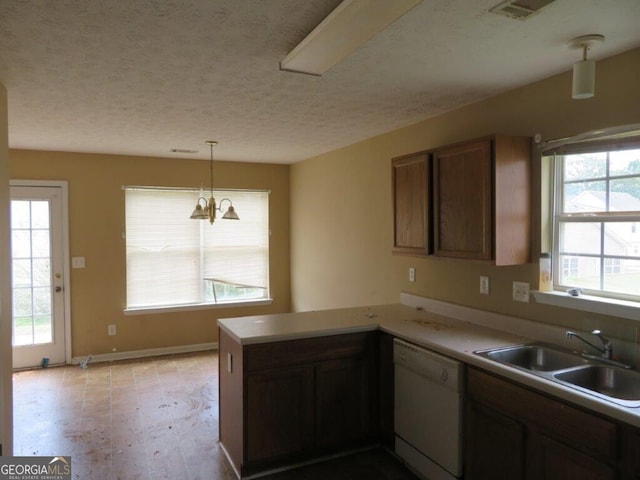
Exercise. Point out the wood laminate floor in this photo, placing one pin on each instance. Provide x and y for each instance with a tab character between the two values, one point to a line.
148	419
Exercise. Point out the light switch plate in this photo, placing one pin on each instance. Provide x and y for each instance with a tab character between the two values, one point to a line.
77	262
484	285
521	292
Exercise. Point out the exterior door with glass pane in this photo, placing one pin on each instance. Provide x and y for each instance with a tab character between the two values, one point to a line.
37	276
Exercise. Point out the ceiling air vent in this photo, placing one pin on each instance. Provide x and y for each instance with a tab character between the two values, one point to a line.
183	150
520	9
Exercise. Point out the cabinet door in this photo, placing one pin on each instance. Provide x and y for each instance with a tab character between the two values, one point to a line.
279	413
512	199
462	197
495	445
411	204
386	389
342	402
551	460
631	454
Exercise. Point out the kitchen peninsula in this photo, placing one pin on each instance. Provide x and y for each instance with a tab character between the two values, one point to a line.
300	386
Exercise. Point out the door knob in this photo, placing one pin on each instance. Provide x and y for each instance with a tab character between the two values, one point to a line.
58	289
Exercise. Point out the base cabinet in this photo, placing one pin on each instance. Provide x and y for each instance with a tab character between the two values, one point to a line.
551	460
495	445
279	413
290	401
386	385
631	452
296	400
516	433
342	401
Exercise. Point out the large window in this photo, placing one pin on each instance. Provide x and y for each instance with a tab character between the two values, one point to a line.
597	207
173	260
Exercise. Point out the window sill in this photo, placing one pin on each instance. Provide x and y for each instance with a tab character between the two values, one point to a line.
589	303
196	306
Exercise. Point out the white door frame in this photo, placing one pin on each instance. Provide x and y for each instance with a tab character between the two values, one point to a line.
66	272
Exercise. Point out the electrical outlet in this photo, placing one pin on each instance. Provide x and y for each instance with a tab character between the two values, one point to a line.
484	285
521	292
111	330
412	274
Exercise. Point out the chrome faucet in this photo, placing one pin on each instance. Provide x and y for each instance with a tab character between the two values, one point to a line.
607	348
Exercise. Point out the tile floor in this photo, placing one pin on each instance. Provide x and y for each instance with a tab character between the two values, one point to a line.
146	419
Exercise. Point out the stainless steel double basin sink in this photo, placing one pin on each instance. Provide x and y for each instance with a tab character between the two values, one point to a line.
610	382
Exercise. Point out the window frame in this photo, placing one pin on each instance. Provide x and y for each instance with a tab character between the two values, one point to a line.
558	216
203	304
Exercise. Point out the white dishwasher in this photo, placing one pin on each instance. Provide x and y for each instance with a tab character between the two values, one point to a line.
428	411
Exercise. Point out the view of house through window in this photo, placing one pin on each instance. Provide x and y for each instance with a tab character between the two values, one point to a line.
597	212
173	260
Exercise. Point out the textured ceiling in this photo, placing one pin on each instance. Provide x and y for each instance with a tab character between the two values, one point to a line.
142	77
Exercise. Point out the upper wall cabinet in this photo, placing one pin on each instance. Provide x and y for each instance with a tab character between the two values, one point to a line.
482	200
411	213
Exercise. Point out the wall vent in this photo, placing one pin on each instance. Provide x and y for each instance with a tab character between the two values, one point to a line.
520	9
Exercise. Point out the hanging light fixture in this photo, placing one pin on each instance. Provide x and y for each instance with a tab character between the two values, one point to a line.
206	209
584	72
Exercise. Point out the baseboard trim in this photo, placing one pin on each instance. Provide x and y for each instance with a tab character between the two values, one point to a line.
148	352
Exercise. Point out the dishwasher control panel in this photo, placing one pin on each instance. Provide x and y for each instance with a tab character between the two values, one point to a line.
428	364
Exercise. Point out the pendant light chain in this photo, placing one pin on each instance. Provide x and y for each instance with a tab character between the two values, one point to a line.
211	168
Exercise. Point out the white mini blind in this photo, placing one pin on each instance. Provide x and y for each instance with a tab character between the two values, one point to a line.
174	260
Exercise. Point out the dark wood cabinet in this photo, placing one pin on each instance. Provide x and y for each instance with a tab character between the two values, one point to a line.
279	413
552	460
495	445
535	437
343	393
411	210
631	453
288	401
482	200
386	385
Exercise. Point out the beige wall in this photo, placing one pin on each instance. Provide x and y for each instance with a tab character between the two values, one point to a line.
341	201
6	361
96	219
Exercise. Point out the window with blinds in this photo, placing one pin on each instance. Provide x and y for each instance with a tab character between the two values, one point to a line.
173	260
596	242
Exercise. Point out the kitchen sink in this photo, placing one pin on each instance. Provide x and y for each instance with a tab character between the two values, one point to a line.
602	378
613	382
536	357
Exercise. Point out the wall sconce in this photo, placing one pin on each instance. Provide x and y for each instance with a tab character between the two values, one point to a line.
584	72
207	211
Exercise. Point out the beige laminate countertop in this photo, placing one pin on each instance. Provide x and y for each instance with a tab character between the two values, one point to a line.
449	336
